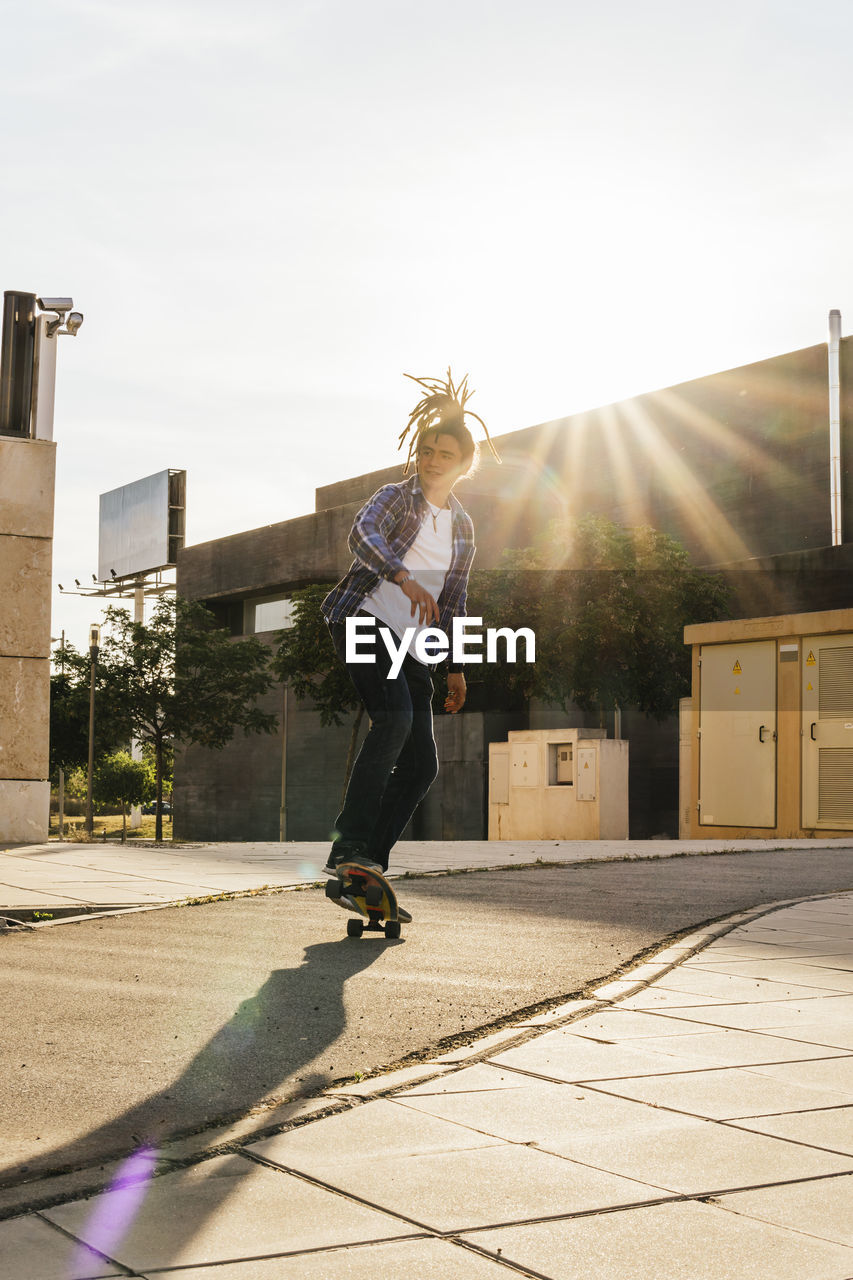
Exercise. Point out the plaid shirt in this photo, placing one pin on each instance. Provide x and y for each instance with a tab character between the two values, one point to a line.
381	534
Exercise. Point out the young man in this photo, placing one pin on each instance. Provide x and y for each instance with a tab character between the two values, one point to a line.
413	544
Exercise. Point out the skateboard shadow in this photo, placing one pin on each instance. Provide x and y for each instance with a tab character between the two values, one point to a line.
291	1020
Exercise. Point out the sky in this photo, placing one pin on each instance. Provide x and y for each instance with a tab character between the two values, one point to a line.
268	212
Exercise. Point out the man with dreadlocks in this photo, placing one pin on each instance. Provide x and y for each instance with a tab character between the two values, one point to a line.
413	544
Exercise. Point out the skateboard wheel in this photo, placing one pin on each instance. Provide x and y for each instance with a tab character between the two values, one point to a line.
334	889
392	929
355	928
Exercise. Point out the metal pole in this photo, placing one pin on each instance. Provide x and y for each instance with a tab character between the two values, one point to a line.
835	427
61	796
135	744
282	813
93	658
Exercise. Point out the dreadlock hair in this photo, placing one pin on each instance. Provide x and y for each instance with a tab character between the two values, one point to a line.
442	410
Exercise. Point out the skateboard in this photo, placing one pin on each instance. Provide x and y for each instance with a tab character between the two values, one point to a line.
373	896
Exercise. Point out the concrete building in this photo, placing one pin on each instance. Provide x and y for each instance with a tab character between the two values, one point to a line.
735	465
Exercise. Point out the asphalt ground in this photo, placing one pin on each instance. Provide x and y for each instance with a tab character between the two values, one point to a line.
137	1028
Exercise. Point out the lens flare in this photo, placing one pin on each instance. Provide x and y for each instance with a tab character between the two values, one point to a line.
115	1210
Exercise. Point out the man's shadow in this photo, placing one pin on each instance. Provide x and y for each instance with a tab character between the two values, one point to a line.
292	1019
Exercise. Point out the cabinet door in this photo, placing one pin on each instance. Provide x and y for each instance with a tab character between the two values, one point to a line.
737	734
828	731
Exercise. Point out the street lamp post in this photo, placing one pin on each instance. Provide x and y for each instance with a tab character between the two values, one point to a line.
94	645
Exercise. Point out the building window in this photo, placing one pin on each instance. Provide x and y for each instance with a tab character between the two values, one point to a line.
267	613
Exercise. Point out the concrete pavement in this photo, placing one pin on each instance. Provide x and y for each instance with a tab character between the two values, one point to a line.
692	1120
65	879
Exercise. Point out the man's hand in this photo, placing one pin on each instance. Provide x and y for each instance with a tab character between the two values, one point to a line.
456	691
422	601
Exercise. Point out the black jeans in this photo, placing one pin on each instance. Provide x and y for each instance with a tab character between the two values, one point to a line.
397	763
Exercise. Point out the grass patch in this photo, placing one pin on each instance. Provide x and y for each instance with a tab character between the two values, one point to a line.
107	826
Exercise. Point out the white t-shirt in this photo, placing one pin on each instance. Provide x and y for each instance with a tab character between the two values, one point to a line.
427	560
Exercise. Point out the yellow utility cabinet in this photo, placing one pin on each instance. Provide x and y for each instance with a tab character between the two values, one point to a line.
770	752
558	784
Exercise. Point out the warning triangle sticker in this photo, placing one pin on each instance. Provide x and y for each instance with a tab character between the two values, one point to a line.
737	668
810	687
811	659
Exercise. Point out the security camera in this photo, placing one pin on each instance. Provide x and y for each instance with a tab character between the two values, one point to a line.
73	322
56	304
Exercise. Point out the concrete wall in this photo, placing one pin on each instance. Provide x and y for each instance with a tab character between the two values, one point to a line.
27	474
236	793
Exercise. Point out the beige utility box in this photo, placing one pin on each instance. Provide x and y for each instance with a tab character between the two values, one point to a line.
771	743
558	784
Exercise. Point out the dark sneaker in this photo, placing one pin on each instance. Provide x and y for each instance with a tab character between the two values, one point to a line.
342	853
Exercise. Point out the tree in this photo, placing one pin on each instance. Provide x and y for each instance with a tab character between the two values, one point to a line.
608	605
181	678
306	660
121	780
69	713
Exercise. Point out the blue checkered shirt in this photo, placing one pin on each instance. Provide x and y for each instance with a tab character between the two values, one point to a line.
381	534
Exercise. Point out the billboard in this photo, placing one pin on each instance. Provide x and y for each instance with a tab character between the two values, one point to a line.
141	526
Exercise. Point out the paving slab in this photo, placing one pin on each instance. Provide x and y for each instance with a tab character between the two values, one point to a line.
820	1208
666	1151
725	1093
557	1117
734	987
728	1047
833	1075
33	1248
836	1034
667	1242
830	1128
231	1209
618	1024
807	952
454	1190
378	1125
423	1259
781	970
840	958
653	999
822	1010
571	1056
483	1077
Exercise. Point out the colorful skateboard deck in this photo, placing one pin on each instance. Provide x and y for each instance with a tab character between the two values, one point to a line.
372	895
